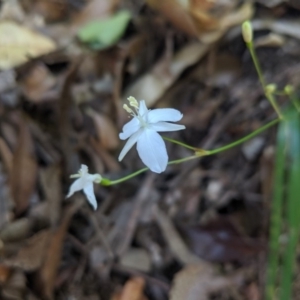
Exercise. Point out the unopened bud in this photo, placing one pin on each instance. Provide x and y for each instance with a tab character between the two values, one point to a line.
247	32
289	89
271	88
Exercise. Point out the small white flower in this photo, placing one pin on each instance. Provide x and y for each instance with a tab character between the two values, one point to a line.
85	183
143	128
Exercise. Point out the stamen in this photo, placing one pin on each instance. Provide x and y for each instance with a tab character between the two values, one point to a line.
129	110
133	102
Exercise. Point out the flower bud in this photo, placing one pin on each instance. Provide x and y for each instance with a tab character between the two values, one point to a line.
247	32
271	88
289	89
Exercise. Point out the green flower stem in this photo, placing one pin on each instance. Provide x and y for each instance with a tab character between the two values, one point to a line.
107	182
180	143
269	96
198	153
295	102
242	140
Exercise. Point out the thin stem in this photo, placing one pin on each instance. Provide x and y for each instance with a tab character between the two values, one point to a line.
107	182
242	140
199	153
256	64
269	96
295	102
179	143
272	100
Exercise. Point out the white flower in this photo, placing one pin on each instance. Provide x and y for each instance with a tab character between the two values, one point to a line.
143	128
85	183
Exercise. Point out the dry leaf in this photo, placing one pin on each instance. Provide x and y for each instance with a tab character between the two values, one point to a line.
31	256
51	183
6	155
48	273
20	44
95	10
132	290
152	86
5	272
106	130
39	84
196	282
175	13
24	170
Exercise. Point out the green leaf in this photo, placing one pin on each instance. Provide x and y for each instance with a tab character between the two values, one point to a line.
105	33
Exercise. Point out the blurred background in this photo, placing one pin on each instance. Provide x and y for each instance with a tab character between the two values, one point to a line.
201	229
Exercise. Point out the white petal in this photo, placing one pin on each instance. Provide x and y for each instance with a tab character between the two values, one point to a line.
89	192
152	151
143	108
130	128
131	141
76	186
165	126
164	114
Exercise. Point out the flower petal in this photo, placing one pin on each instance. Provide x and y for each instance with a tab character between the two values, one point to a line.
143	108
152	151
130	128
76	186
131	141
165	126
164	114
89	192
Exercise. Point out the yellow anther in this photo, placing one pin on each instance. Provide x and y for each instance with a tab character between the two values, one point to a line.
129	110
133	102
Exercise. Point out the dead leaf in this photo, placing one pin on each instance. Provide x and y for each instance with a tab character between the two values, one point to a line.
95	10
39	84
270	40
176	244
106	130
132	290
152	86
31	256
48	272
196	282
176	14
16	230
6	155
219	241
5	272
51	183
24	171
20	44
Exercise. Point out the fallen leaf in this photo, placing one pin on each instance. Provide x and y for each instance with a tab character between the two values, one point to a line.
39	84
106	130
16	230
6	155
94	10
196	282
174	12
51	184
24	171
31	256
20	44
153	85
219	241
5	272
132	290
48	272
